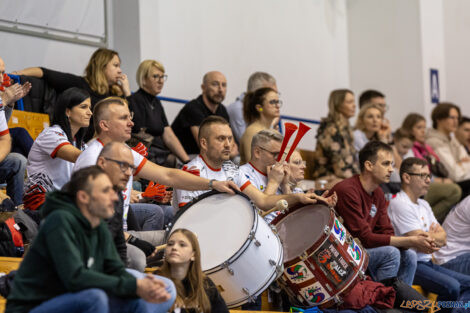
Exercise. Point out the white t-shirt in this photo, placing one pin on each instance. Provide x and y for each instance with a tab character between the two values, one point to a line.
90	156
228	171
407	216
457	227
43	168
3	122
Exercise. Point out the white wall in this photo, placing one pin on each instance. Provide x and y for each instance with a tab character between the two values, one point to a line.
303	44
457	51
385	53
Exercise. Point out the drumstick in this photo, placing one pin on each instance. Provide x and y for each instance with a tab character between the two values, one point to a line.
303	129
161	247
281	205
290	129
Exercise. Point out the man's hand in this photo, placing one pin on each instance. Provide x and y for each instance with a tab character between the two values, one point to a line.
15	93
152	290
330	201
424	243
306	198
225	186
277	172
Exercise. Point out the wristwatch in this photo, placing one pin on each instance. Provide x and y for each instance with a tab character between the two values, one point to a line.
211	183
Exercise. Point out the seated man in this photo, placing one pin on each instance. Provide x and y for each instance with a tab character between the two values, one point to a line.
12	165
113	122
455	255
413	216
215	140
362	205
133	246
265	147
73	265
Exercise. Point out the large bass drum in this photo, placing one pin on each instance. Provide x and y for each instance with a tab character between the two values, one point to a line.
322	262
240	252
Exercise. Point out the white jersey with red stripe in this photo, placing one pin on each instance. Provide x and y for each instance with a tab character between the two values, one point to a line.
90	156
3	122
44	169
228	171
260	181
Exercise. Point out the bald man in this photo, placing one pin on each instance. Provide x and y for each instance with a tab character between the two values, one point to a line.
186	123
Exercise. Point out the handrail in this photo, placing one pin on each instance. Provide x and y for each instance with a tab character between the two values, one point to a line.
286	117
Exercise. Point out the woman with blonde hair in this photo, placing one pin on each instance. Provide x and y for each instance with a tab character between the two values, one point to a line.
335	153
368	125
103	78
182	264
150	118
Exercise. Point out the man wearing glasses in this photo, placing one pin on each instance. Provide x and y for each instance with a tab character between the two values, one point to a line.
412	216
263	171
215	139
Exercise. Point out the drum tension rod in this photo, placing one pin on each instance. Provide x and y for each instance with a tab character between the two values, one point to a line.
230	270
252	237
247	292
327	230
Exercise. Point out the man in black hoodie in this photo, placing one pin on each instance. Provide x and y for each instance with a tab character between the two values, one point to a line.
73	264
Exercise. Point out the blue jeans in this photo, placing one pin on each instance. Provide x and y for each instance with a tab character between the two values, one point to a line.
448	284
149	216
459	264
12	170
388	262
97	301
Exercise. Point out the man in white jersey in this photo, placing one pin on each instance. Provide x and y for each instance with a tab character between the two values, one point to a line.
215	139
12	165
263	171
412	216
113	122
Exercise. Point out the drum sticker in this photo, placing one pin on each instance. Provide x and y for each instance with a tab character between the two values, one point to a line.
314	294
339	231
298	273
333	265
355	251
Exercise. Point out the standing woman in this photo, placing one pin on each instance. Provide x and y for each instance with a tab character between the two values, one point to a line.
103	78
260	108
335	153
55	150
182	264
150	118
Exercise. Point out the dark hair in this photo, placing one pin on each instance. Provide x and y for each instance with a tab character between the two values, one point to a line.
408	163
401	133
80	180
368	95
208	121
463	120
370	152
410	121
67	100
251	99
441	111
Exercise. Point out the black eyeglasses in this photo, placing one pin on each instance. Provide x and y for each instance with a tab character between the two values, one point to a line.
275	102
160	77
423	176
124	166
274	154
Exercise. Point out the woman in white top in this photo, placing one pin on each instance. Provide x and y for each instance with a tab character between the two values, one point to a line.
54	151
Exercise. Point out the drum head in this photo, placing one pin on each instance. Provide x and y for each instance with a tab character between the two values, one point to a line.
300	229
222	224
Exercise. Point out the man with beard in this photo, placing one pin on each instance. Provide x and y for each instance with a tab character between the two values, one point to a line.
186	123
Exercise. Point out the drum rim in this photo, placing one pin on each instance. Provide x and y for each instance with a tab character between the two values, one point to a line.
314	247
246	243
